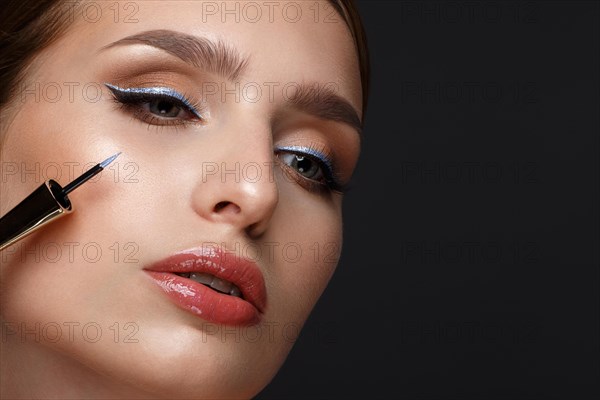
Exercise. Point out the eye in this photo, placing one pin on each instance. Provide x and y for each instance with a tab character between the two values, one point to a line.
156	106
312	169
165	108
308	168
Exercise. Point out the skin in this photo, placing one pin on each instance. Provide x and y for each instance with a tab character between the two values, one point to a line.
170	208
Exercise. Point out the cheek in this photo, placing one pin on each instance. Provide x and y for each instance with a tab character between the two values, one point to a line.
84	268
308	236
75	255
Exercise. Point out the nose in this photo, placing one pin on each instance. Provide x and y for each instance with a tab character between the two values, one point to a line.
237	186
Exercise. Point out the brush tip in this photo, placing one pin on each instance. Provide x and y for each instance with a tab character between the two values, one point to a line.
110	159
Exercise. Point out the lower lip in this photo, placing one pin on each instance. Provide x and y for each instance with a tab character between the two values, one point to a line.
205	302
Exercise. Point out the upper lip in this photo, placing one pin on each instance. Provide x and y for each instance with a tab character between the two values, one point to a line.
223	264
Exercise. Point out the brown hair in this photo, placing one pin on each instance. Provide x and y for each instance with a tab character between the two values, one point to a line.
28	26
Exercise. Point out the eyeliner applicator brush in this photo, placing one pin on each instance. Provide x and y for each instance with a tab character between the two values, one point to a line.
89	174
47	203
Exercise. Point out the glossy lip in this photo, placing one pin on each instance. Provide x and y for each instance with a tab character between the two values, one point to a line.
205	302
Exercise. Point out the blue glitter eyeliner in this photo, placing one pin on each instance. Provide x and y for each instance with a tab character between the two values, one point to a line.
152	93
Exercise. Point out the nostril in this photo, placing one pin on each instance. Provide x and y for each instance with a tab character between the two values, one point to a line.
225	204
221	205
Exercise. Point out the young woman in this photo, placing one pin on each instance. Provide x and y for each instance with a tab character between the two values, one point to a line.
190	265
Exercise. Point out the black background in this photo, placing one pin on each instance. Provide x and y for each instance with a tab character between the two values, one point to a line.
470	262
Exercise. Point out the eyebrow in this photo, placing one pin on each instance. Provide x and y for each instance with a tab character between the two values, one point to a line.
323	102
215	57
224	60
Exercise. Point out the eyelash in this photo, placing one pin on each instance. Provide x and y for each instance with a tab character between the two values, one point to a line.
132	100
331	181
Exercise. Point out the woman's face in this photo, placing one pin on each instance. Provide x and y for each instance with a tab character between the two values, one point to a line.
222	154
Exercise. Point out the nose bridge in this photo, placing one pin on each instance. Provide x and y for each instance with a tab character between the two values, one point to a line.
237	185
246	151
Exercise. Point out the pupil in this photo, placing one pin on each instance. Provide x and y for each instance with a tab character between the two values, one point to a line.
303	164
164	107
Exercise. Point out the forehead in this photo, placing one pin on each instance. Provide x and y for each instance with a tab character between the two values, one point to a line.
285	41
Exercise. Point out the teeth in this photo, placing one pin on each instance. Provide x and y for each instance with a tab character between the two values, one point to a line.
214	282
221	285
202	277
